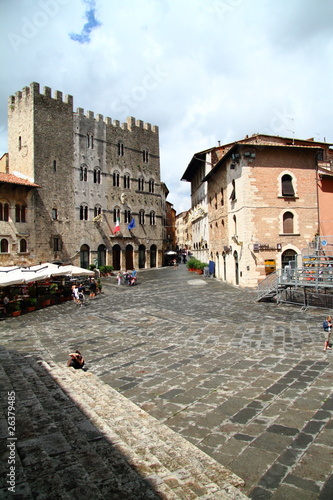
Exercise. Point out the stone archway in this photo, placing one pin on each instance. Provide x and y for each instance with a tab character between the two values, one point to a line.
287	256
116	252
236	268
101	256
84	256
153	255
142	257
129	257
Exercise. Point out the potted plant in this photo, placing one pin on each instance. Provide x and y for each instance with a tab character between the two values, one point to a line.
31	304
53	292
192	264
15	308
200	267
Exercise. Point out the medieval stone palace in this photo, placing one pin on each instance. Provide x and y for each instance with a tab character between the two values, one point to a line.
79	188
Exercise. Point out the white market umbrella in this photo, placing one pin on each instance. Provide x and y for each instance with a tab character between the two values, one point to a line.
29	275
51	269
79	271
10	276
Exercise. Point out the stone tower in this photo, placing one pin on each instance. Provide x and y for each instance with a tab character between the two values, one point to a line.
40	140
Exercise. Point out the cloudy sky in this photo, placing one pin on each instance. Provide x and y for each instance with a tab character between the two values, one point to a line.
202	70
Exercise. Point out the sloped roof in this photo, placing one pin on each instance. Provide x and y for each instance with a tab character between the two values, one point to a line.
13	179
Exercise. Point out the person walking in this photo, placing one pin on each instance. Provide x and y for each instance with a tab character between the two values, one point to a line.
327	325
92	288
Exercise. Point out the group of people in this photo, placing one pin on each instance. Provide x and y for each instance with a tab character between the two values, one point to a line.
128	278
78	291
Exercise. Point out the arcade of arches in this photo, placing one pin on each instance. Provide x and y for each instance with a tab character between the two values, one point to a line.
127	258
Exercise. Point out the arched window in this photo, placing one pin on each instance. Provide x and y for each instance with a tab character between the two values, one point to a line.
233	191
151	186
54	213
97	175
142	217
83	173
127	181
145	155
235	224
120	148
90	141
116	214
288	223
141	184
4	211
287	187
83	212
23	245
4	246
127	216
152	218
20	213
97	211
116	179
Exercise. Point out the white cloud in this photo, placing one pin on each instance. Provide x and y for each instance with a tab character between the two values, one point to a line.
201	70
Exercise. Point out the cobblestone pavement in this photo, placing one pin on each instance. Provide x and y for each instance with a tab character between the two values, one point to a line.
245	382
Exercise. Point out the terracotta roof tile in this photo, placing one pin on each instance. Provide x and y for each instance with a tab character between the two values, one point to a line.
13	179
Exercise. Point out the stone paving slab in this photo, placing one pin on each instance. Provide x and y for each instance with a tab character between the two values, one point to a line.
246	382
96	443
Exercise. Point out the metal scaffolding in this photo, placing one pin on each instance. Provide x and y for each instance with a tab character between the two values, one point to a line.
307	280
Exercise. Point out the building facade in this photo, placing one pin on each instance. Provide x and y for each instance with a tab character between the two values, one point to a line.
183	231
264	196
100	198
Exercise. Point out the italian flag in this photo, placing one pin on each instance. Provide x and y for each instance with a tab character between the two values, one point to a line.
117	226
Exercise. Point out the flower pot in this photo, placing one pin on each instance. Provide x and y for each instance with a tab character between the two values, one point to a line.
15	313
46	302
30	309
199	271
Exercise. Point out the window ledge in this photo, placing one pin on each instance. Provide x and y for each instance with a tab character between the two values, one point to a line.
288	197
289	234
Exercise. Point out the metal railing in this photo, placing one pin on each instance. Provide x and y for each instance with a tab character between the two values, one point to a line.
267	286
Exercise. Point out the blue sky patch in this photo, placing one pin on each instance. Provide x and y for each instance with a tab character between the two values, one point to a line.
92	22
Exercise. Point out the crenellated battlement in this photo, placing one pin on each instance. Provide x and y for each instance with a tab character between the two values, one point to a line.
131	123
34	92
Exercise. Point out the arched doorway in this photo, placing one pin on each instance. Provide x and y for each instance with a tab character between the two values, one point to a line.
153	253
236	268
116	257
287	256
101	255
84	256
129	257
142	257
224	267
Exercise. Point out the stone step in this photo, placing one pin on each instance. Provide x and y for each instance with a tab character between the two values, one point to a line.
78	437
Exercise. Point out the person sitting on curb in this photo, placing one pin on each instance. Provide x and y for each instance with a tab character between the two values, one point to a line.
76	360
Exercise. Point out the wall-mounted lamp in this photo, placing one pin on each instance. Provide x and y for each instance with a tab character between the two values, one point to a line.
279	246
